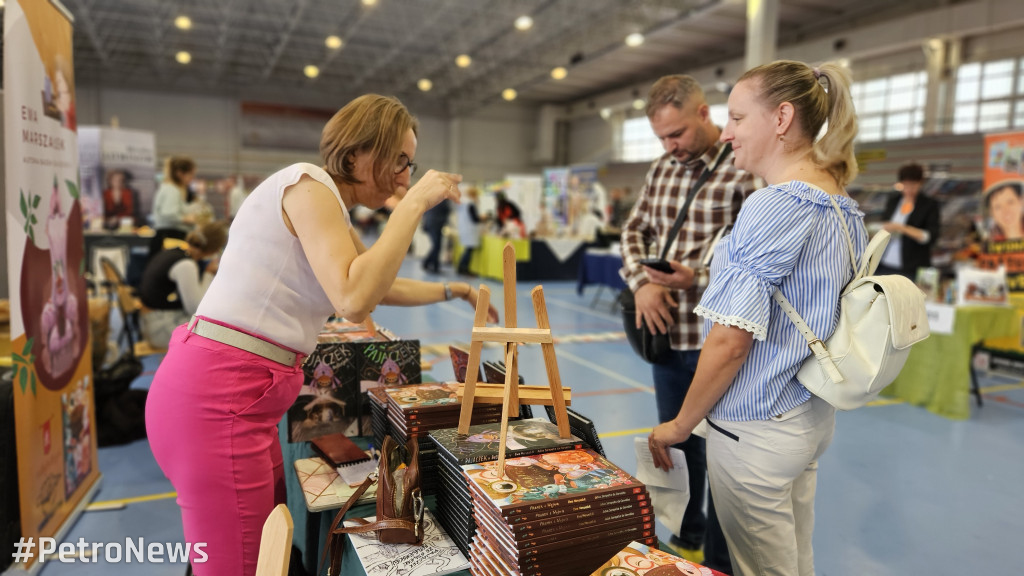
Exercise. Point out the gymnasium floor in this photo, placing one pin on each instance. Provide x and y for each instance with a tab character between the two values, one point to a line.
901	491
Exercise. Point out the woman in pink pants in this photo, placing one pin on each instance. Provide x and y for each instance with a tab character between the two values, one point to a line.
291	261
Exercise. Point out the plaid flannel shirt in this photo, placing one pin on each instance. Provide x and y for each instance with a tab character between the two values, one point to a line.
644	234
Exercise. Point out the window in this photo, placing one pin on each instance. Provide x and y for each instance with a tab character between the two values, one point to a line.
890	108
639	144
989	96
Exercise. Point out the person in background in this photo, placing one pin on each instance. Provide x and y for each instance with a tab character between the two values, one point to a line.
118	200
618	209
914	225
170	200
468	220
236	195
509	217
292	260
199	207
680	118
1006	209
767	431
434	222
173	283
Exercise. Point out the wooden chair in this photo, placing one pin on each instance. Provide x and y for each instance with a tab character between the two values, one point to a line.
276	543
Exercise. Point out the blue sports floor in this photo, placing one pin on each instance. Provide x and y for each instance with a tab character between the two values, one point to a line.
901	491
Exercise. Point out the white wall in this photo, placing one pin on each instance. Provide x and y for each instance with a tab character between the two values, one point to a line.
495	141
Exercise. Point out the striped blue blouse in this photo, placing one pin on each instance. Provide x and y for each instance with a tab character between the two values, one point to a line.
787	236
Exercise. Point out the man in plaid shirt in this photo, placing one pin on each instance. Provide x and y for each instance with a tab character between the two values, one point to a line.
680	118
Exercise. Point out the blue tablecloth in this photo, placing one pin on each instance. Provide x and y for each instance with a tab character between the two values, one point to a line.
600	267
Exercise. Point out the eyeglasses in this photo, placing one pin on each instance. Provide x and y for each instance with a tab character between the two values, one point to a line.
403	163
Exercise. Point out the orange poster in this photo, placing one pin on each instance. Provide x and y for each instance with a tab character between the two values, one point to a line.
1004	207
53	389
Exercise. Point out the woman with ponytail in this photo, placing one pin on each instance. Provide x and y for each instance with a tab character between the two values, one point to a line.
171	198
767	431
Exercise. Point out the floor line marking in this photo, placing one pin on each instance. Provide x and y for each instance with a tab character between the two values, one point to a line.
601	369
606	392
1001	388
583	309
107	504
1007	401
633	432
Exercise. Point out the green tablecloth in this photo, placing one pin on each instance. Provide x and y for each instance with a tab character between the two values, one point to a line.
487	260
937	373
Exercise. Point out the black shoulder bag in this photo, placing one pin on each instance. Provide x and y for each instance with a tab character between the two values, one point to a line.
650	345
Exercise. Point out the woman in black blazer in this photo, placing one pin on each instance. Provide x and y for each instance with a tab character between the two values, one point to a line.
914	225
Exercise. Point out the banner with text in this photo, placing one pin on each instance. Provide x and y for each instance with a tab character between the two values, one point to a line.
53	394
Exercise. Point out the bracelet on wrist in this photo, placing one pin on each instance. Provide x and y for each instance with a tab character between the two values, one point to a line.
447	291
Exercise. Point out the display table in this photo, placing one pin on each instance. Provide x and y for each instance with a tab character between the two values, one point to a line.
536	259
937	374
601	267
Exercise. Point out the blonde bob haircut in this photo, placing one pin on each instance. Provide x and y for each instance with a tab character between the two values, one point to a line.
818	95
370	123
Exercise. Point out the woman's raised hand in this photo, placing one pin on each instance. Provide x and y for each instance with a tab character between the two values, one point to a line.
434	187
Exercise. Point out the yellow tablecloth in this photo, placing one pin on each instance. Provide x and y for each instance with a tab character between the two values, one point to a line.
937	373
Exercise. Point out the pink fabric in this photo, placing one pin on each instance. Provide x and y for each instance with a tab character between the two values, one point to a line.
212	417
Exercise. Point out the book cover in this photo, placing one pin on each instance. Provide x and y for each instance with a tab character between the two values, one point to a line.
638	559
552	479
329	400
324	489
420	398
524	438
437	555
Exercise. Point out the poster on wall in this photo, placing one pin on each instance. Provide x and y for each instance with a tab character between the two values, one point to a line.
118	175
53	395
1004	207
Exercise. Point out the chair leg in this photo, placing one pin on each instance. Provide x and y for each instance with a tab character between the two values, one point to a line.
975	388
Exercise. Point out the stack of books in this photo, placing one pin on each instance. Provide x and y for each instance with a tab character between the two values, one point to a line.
555	514
454	503
378	415
415	410
638	559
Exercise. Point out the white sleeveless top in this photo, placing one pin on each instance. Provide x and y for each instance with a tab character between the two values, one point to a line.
264	284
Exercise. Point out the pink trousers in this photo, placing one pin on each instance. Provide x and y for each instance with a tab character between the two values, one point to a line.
212	417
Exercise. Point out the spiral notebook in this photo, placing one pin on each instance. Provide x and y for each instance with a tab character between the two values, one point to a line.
354	474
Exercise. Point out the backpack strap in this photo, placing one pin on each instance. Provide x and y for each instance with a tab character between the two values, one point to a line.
816	345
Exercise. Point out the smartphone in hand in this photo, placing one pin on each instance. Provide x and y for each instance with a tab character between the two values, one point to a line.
658	264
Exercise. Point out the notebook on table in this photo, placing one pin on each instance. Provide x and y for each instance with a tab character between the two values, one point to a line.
338	450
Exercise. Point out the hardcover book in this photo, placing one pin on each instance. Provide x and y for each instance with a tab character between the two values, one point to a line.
638	559
437	555
525	438
536	483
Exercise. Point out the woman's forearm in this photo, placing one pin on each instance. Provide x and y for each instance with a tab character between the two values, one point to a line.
725	350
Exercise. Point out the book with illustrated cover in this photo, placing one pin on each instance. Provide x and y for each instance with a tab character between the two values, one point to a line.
537	483
638	559
437	555
421	398
525	438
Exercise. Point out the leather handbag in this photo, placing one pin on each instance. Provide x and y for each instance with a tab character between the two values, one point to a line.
399	503
652	346
880	317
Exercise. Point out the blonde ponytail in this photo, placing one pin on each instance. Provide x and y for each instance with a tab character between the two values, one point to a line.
817	95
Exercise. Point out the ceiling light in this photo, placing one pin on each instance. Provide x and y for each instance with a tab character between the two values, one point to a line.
559	73
635	39
639	104
311	71
183	57
183	22
524	23
606	113
333	42
508	94
369	2
463	60
425	84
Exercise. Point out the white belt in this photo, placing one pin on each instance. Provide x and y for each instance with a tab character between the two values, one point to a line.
241	340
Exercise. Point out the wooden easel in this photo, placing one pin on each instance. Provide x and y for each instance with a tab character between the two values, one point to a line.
510	393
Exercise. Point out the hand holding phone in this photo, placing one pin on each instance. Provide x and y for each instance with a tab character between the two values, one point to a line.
657	264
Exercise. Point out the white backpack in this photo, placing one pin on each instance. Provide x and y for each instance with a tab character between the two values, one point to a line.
880	317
